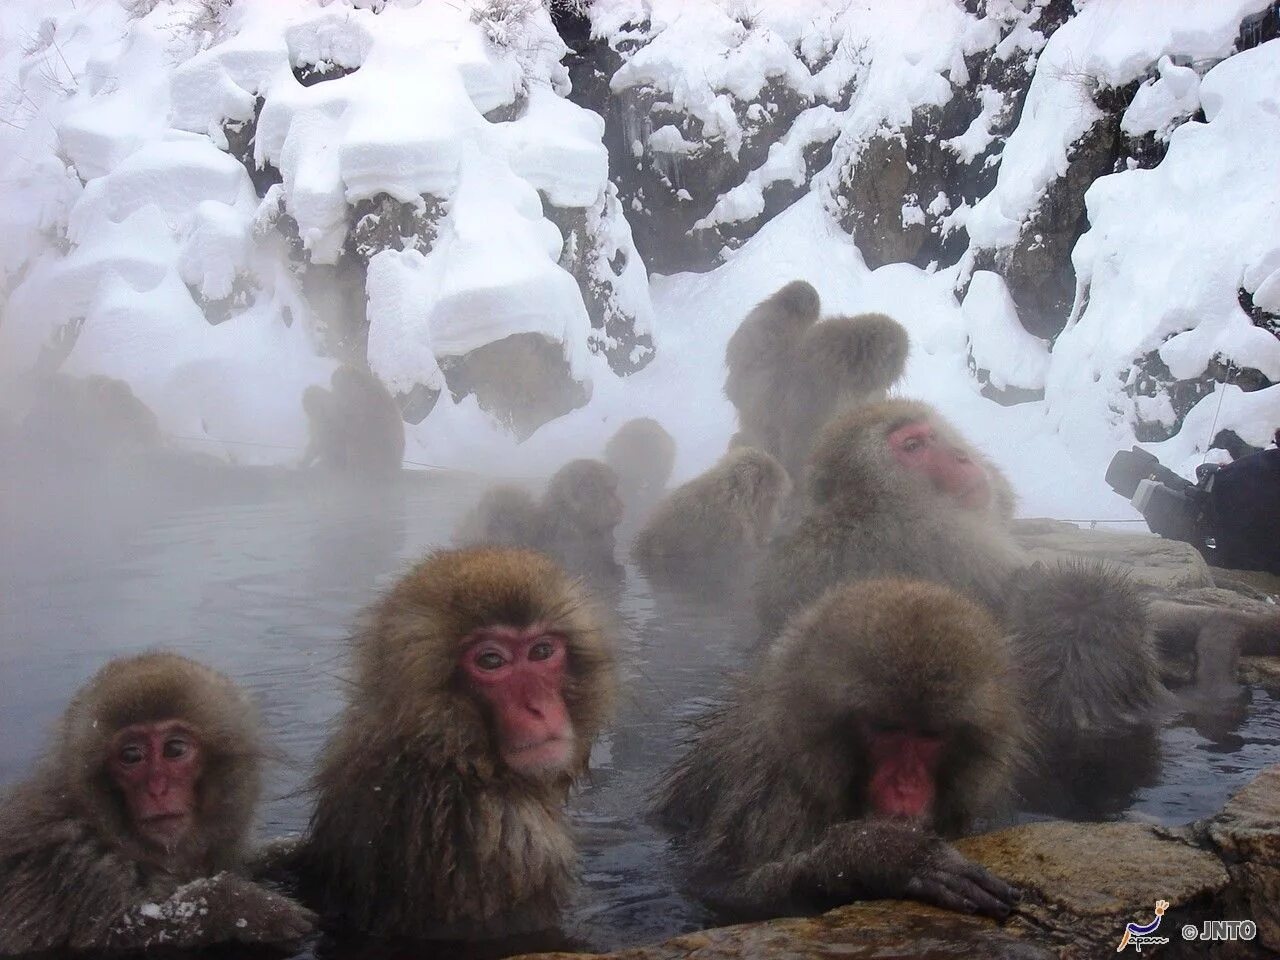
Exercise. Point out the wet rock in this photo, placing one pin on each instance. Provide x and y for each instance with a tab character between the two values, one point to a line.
523	381
1260	672
1150	559
1247	833
878	929
1100	870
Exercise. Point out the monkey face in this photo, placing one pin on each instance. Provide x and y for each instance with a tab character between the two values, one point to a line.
157	768
921	448
518	673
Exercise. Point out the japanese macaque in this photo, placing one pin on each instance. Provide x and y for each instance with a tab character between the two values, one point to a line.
840	363
642	454
715	525
894	489
480	680
1085	649
356	427
94	415
760	356
789	374
129	833
505	516
581	510
883	716
574	521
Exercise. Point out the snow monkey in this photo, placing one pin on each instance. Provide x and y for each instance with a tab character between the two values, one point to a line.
894	489
129	833
356	427
574	521
789	374
881	717
715	525
642	454
480	680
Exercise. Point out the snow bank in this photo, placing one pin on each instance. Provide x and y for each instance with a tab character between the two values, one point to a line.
134	215
997	341
1107	43
1168	250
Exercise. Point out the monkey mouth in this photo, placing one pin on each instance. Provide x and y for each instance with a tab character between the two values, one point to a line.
551	755
167	825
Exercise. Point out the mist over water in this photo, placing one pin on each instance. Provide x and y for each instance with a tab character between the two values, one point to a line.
261	574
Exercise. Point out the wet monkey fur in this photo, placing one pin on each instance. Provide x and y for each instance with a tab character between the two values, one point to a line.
480	681
716	524
894	490
789	373
881	718
129	833
574	520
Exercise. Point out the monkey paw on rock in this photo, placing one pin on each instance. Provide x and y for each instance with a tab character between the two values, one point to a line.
251	913
948	879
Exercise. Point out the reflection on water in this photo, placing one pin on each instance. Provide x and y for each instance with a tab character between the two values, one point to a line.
263	579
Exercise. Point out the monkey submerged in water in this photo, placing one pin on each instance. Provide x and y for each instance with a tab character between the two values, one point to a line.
881	716
715	526
356	427
574	521
127	835
642	454
895	490
480	681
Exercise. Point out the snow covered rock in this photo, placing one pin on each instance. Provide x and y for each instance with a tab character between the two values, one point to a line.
242	165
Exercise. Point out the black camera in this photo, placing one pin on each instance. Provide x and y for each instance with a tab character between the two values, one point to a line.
1231	514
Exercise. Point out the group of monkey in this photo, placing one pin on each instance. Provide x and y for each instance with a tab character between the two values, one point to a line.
912	662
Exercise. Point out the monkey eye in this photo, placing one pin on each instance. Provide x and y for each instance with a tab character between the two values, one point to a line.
175	748
912	444
131	754
490	660
542	650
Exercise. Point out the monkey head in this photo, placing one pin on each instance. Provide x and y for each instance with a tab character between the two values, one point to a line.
587	492
799	299
902	449
906	685
316	401
493	660
164	753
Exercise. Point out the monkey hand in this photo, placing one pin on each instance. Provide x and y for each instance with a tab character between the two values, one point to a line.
246	912
948	879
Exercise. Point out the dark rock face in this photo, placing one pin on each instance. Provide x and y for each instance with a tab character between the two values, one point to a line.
1037	268
384	223
665	194
523	381
1152	378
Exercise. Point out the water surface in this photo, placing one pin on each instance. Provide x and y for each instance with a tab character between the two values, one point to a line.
263	580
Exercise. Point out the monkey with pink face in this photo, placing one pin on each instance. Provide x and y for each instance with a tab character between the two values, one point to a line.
132	832
895	490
